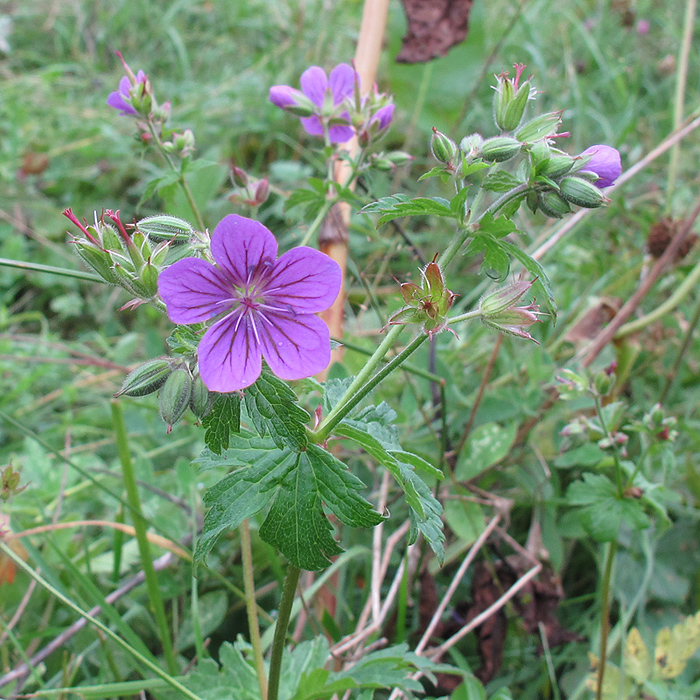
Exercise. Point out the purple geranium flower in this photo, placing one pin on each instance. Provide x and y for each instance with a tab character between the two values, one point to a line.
265	305
121	99
314	88
604	162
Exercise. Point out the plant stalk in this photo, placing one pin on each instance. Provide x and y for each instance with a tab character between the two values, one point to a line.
279	640
252	607
605	616
141	536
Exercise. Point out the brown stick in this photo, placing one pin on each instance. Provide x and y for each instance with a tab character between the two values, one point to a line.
607	334
333	237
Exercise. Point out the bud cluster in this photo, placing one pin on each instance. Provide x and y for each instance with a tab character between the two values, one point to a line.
248	190
129	261
178	388
554	180
428	303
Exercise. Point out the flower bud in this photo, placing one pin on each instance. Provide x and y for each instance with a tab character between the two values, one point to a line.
239	176
201	399
148	277
165	228
510	99
262	191
146	378
500	148
471	145
96	258
9	485
552	204
541	127
174	397
581	192
557	166
498	310
603	383
398	158
444	149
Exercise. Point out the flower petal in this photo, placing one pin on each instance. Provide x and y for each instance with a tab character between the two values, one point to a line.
194	290
283	96
125	86
313	83
295	346
312	125
340	134
305	279
229	354
241	245
342	82
604	162
116	101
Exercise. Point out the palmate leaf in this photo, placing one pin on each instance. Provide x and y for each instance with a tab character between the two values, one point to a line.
399	205
273	408
296	486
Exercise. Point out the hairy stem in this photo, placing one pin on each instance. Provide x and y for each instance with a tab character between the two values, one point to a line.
181	180
278	641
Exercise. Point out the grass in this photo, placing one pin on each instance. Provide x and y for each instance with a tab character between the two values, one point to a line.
64	346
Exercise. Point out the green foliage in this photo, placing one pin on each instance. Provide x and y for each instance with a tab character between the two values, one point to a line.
272	406
604	509
223	419
400	205
296	486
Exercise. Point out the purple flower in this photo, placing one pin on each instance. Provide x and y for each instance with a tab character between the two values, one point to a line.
264	306
382	117
315	88
121	99
604	162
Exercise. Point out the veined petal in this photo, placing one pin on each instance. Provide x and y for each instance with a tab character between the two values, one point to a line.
241	245
194	290
295	346
304	279
229	354
342	82
313	83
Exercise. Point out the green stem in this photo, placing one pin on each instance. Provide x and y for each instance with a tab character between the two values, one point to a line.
173	682
140	527
37	267
687	339
474	313
616	456
605	615
181	179
679	99
351	399
507	197
252	607
664	309
280	638
316	223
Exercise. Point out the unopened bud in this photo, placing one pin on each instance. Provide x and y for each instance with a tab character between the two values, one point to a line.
163	227
541	127
552	204
557	165
239	176
581	192
444	149
201	399
146	378
500	148
148	277
602	383
174	397
96	258
262	191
